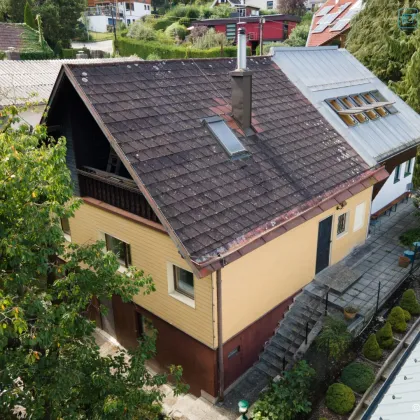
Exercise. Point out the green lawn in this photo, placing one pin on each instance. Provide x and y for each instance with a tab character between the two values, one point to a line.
100	36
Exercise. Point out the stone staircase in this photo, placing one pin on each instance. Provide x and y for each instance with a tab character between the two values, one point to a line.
282	350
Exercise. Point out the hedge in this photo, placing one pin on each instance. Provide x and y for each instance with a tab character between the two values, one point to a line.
36	55
71	52
128	46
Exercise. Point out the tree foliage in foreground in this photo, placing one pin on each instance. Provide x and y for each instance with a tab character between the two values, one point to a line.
390	53
292	7
50	366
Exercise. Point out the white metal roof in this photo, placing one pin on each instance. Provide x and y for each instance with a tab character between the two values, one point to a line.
329	72
20	79
399	398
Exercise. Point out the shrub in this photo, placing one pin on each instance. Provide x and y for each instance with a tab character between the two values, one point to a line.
385	337
162	23
397	319
410	303
358	376
221	11
340	398
371	349
141	31
152	56
410	236
334	339
407	315
176	31
209	39
287	398
185	21
129	46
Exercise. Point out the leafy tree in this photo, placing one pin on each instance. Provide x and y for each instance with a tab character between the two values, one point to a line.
29	17
50	366
334	338
292	7
12	10
59	20
221	11
287	398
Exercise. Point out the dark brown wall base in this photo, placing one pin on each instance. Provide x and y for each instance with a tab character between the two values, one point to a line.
242	351
174	347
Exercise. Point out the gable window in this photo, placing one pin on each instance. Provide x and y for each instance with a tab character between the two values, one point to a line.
342	224
226	137
65	226
336	105
120	248
408	168
270	5
181	284
397	174
231	31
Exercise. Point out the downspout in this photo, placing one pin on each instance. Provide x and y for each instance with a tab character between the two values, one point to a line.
221	370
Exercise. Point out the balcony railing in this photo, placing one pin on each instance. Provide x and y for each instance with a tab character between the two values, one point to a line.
114	190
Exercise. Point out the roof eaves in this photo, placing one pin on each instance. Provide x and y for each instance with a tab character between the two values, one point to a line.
285	222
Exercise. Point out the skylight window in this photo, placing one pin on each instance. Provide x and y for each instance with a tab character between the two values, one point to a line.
361	107
325	10
226	137
327	19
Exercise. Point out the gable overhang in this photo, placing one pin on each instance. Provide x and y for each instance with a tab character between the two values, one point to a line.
66	72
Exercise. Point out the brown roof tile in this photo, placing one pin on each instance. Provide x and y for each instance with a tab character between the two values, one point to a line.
210	201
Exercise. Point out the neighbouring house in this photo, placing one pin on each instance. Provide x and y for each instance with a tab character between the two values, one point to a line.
102	14
24	81
18	40
221	181
240	8
274	28
332	22
380	126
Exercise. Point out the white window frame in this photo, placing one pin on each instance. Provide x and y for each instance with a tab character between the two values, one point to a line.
359	226
172	288
346	229
67	236
272	5
102	237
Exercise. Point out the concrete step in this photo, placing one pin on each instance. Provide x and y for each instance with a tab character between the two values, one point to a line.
284	345
314	290
273	361
290	332
294	317
275	351
267	368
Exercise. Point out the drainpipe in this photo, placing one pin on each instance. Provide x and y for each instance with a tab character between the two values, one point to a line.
220	335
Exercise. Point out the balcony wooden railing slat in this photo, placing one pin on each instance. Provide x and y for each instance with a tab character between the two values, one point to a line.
116	191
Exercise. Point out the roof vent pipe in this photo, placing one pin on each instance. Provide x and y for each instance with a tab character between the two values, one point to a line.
241	49
242	87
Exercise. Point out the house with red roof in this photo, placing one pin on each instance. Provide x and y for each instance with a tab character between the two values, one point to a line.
332	22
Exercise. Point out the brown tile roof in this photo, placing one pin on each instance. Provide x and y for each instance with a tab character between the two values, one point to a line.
326	36
11	35
154	111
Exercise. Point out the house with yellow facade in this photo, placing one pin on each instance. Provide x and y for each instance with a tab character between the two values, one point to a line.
221	181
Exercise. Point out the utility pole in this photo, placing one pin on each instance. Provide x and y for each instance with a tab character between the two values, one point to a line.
262	21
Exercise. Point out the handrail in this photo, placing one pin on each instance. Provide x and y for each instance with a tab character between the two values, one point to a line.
109	178
306	326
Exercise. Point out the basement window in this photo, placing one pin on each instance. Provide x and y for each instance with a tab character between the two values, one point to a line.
226	137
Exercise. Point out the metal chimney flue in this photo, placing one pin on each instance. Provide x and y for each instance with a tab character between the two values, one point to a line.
242	86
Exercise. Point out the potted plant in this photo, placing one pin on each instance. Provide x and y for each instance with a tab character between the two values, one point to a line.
403	261
350	312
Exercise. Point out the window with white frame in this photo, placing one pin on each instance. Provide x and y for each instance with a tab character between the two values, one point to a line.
120	248
181	284
359	217
342	224
65	226
270	5
408	168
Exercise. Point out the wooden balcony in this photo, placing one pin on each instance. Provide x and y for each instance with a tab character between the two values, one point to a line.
114	190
